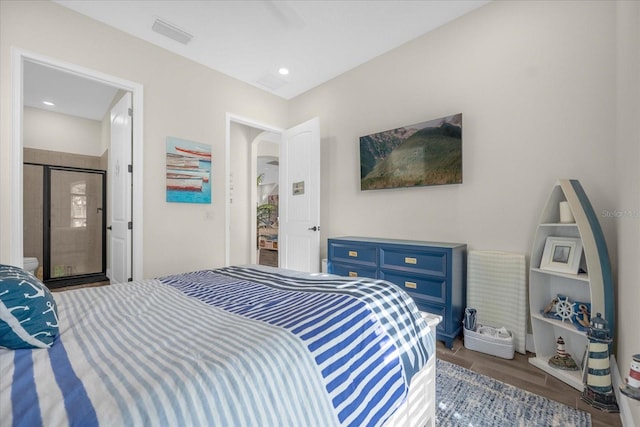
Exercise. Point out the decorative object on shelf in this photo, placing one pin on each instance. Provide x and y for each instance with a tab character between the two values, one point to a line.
562	254
550	308
598	391
562	308
631	387
562	359
566	216
582	315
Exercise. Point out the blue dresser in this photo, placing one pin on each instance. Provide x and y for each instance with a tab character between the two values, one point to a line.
432	273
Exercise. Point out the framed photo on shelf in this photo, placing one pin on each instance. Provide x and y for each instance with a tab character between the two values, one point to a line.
562	254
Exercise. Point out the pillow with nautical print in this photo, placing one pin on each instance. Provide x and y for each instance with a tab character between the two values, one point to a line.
28	312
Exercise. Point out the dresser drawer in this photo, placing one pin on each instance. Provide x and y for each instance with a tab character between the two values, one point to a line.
352	270
353	253
433	263
429	288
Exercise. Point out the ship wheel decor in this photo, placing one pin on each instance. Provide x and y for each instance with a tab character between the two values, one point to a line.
564	309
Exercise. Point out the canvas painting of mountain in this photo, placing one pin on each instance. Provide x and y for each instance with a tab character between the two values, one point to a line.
427	153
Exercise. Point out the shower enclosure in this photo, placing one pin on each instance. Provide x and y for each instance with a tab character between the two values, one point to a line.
72	220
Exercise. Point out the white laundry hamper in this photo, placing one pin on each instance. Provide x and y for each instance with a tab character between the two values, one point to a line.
494	345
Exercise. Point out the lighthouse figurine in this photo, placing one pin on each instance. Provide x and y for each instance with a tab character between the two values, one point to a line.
598	391
632	384
562	359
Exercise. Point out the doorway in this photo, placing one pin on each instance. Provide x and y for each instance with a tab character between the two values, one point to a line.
299	197
242	189
267	203
19	59
65	217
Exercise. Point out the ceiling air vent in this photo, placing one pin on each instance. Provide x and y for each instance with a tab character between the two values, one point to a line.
271	81
171	31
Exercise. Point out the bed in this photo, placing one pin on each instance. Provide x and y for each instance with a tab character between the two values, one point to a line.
236	346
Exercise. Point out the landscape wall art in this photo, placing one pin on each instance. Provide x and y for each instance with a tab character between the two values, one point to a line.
188	171
427	153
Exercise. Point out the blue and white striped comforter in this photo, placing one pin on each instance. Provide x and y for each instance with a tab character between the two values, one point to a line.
231	347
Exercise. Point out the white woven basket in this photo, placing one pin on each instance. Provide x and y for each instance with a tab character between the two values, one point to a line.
495	346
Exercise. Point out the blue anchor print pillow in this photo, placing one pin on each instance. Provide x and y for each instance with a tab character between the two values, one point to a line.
28	312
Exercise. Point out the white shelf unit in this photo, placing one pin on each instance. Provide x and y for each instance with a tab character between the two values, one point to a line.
593	283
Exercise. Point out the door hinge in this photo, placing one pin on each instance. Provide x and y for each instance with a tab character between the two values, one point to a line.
130	225
130	168
131	112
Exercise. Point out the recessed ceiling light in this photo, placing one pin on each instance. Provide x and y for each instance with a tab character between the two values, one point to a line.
49	103
283	71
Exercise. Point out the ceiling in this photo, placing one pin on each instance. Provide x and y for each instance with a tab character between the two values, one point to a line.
252	40
70	93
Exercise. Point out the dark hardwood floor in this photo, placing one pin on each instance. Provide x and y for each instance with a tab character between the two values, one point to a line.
520	373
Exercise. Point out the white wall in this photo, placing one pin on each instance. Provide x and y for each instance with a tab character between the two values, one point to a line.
240	245
626	214
182	99
48	130
536	83
536	87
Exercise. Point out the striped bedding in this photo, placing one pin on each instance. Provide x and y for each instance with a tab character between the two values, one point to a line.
238	346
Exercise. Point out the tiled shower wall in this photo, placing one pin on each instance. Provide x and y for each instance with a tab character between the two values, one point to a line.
74	250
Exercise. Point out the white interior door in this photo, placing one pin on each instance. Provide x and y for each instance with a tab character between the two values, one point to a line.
120	253
299	240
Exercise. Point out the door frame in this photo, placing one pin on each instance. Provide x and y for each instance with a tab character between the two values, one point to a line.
78	279
234	118
18	57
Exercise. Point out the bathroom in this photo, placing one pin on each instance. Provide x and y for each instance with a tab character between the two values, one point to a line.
65	159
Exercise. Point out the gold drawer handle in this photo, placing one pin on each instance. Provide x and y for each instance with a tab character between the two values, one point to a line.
408	260
353	274
353	253
412	285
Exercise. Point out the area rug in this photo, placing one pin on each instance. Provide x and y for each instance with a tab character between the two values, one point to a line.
465	398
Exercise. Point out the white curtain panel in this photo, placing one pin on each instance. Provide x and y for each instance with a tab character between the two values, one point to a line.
497	289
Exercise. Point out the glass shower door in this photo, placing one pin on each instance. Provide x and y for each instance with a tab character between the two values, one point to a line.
76	224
